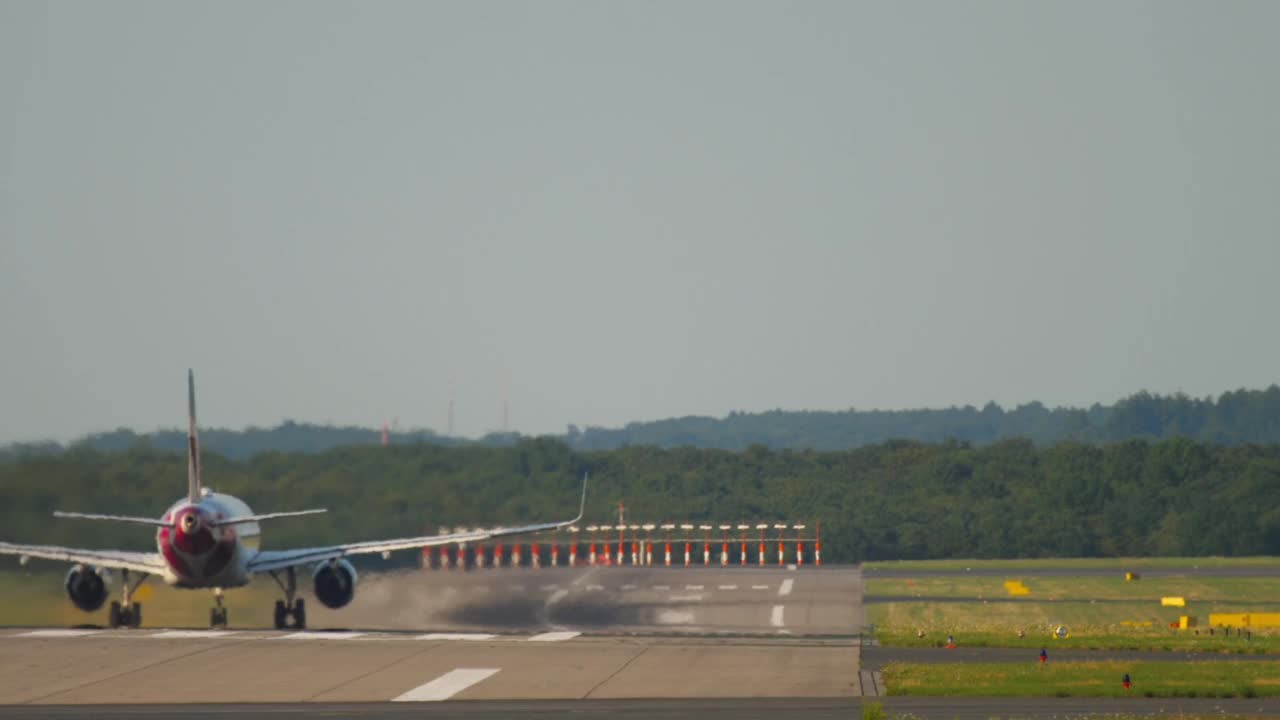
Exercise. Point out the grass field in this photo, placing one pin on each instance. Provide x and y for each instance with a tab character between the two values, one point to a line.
1120	564
38	599
1085	679
1100	612
1233	590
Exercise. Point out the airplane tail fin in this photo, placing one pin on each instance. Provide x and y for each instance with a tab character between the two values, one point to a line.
193	443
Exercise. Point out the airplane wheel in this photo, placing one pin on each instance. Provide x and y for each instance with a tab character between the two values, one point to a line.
299	614
213	617
282	615
113	616
135	615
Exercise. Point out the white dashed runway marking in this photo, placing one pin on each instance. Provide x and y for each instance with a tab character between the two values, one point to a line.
447	685
457	636
556	636
321	636
169	634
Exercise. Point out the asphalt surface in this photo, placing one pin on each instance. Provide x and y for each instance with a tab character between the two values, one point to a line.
564	634
613	600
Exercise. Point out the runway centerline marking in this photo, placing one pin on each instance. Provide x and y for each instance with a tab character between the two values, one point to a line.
675	617
549	588
456	636
594	588
447	685
686	598
775	618
759	587
728	587
661	587
785	587
692	587
556	636
194	634
629	587
308	635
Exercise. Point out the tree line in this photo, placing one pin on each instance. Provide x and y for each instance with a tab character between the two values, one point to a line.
890	500
1233	418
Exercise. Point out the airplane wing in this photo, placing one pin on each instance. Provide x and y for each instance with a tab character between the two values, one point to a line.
268	560
115	559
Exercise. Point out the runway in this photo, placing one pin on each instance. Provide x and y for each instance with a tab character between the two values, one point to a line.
279	667
555	634
614	600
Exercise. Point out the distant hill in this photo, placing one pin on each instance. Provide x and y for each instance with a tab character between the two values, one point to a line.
1234	418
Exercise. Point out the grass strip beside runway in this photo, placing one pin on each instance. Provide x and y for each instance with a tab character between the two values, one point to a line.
1195	589
1099	612
1085	679
1121	564
1085	638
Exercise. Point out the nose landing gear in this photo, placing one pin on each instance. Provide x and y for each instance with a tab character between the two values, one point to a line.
218	613
291	607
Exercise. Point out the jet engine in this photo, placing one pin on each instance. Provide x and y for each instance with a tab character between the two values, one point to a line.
335	583
87	587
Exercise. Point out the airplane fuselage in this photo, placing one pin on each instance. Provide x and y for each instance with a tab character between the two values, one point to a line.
199	552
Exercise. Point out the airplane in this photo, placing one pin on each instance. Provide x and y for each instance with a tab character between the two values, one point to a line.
208	540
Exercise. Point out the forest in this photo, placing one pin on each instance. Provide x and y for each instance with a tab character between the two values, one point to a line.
886	500
1233	418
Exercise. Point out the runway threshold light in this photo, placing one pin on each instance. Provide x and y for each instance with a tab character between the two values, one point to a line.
762	526
686	526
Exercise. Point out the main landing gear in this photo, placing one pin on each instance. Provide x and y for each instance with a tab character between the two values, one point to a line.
218	613
126	613
291	606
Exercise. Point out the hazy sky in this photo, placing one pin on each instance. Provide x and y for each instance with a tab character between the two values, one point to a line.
610	211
